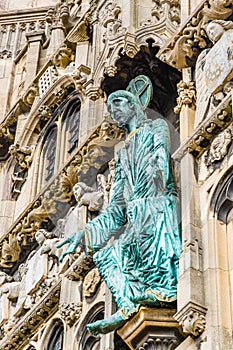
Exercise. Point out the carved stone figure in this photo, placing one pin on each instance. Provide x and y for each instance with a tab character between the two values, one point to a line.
214	66
63	57
218	148
140	266
91	282
85	195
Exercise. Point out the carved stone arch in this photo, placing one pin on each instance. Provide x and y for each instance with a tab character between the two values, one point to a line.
83	339
222	198
164	79
53	324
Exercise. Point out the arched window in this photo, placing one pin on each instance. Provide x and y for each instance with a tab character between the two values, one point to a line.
88	341
71	116
50	153
55	340
48	162
60	138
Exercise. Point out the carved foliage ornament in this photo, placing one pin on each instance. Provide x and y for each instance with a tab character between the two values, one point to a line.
70	312
193	323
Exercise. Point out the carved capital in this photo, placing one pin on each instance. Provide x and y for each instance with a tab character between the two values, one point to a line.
70	312
187	95
192	319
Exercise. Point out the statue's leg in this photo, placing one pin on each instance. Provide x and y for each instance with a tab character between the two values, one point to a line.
122	284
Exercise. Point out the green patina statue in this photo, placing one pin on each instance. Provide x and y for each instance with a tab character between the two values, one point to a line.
140	266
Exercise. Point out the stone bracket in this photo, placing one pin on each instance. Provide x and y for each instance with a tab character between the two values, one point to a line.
192	318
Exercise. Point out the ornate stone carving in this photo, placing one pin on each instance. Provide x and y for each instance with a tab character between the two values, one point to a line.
91	282
130	47
23	155
219	148
187	95
110	19
166	9
85	195
63	57
79	269
180	51
44	112
61	15
80	77
206	132
70	312
32	321
163	343
31	94
193	323
89	157
192	319
10	251
214	68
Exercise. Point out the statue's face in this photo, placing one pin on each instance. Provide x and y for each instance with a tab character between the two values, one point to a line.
121	110
77	192
214	31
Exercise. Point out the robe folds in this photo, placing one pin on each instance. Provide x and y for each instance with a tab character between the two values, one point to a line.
136	241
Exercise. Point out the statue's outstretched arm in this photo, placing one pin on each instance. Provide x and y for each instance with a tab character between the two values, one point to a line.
105	225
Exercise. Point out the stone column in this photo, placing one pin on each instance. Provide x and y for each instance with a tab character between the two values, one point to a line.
191	308
186	104
57	37
151	329
35	40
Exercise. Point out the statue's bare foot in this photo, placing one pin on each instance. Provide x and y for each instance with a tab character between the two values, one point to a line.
107	325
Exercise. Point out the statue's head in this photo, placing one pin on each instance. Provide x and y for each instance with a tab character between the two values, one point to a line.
123	106
216	28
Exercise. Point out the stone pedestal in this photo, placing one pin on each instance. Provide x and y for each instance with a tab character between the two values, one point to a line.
152	329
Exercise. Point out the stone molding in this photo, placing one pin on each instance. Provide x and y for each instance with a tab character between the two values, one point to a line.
205	133
192	318
38	315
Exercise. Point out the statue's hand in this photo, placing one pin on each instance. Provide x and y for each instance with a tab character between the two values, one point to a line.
73	242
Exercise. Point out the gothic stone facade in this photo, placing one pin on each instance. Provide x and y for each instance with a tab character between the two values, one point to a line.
59	60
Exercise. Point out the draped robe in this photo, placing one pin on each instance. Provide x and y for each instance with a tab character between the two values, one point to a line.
136	241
